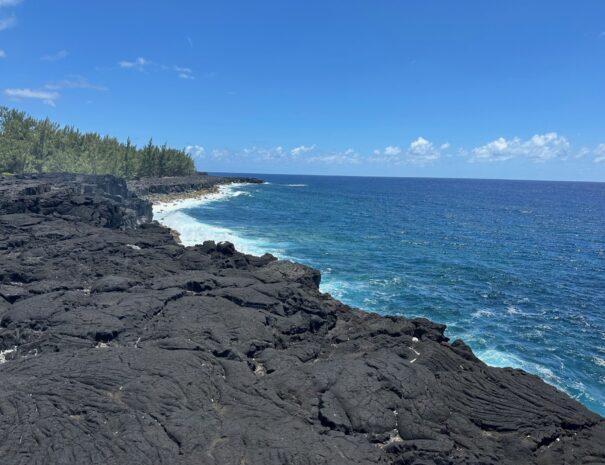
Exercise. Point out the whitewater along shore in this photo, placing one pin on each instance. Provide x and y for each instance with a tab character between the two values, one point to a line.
120	346
168	189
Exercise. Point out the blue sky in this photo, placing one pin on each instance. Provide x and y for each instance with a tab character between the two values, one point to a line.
510	89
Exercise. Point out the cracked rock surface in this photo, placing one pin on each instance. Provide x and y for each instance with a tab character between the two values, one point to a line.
120	346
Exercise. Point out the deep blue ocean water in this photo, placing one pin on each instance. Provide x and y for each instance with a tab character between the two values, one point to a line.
515	268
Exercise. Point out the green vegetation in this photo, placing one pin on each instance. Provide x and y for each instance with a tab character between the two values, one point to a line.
28	145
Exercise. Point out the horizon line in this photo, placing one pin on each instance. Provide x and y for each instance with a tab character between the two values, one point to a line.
403	177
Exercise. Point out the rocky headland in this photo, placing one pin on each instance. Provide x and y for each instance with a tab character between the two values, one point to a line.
167	189
120	346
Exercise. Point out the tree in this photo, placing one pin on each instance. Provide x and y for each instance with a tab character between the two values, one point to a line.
29	145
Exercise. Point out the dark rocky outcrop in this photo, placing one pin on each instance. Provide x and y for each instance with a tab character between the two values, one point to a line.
176	185
103	201
120	346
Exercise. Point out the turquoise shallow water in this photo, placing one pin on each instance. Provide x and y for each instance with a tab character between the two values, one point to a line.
515	268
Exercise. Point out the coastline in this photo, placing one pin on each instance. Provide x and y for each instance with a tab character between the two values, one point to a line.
156	340
179	196
178	200
228	218
167	211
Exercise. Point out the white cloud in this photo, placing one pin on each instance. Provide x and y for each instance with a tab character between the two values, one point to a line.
196	151
9	3
60	55
74	81
582	152
46	96
419	152
7	22
143	64
301	149
392	150
255	154
139	64
539	148
281	154
599	153
422	151
221	154
2	53
183	72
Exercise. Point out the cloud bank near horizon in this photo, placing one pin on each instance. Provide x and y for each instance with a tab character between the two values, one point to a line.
539	148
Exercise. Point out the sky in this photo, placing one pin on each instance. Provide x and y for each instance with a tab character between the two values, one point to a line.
512	89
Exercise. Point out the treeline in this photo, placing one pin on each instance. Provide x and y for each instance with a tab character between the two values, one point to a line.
29	145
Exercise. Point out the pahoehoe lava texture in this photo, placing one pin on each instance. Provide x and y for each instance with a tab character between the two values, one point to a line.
120	346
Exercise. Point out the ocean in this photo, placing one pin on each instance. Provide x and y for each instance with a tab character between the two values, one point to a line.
514	268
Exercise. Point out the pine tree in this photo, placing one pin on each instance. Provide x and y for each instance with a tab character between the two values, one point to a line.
29	145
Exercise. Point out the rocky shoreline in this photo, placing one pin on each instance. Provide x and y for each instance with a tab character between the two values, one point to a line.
185	187
120	346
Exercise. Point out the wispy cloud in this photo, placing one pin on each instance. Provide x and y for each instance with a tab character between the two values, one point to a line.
138	64
392	150
347	157
74	81
599	153
49	94
420	152
46	96
2	53
301	153
60	55
4	3
142	64
538	148
302	149
183	73
8	22
196	151
265	154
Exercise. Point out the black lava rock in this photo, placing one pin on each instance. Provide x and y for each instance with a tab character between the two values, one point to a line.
180	184
120	346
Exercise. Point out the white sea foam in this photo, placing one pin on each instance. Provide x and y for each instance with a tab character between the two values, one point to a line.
192	231
336	288
296	185
223	193
598	361
482	313
497	358
512	310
